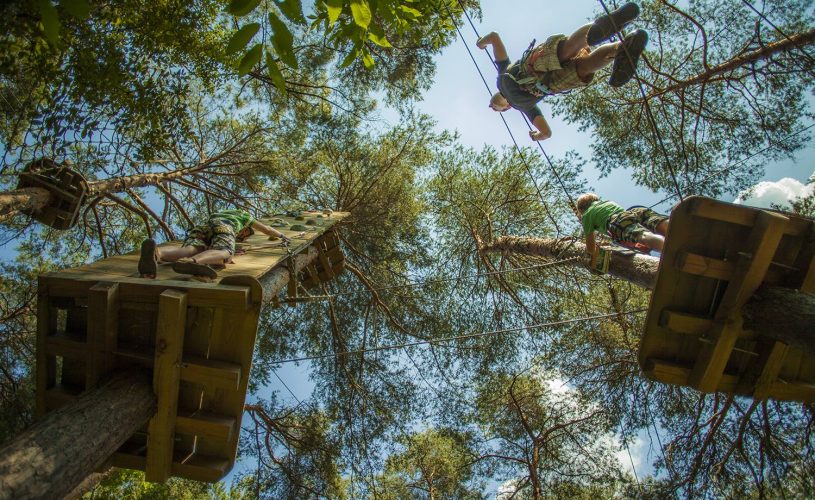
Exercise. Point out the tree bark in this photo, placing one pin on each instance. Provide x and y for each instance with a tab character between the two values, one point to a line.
52	457
273	282
797	40
782	314
30	198
638	269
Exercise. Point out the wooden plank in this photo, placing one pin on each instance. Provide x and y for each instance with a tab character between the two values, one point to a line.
689	324
46	365
211	372
808	284
795	391
66	346
103	327
325	263
172	320
762	243
769	373
672	373
205	424
708	267
198	468
742	215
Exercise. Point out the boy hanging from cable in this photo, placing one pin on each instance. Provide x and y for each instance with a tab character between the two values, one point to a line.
207	247
563	63
637	225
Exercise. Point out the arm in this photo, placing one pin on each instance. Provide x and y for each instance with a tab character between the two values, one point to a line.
544	132
591	249
263	228
498	50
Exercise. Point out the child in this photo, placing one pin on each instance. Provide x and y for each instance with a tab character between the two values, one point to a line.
206	245
635	225
563	63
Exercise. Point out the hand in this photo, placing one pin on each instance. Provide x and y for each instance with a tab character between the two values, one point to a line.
483	41
286	240
537	136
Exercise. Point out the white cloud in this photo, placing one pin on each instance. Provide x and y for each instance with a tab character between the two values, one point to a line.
781	193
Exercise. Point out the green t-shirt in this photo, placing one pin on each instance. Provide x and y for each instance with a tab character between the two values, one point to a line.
236	218
595	218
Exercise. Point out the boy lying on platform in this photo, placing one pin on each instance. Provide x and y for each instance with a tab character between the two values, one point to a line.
635	225
206	247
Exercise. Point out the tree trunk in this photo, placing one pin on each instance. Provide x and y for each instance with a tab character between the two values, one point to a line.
273	282
638	269
30	198
782	314
52	457
798	40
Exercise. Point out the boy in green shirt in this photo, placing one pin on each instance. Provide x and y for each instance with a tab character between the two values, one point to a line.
635	225
206	245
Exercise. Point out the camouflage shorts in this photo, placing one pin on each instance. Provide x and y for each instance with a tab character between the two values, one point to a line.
558	77
216	234
628	225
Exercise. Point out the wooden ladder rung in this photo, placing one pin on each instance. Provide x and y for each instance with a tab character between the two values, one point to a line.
66	346
210	372
681	322
205	424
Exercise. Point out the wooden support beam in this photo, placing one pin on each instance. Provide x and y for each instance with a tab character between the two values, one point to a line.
793	391
210	372
66	346
103	326
743	215
750	271
58	396
708	267
672	373
172	320
808	285
769	373
46	365
689	324
204	468
206	425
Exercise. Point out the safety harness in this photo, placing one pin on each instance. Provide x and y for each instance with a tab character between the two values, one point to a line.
527	78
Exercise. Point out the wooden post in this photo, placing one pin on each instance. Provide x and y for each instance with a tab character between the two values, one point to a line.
51	458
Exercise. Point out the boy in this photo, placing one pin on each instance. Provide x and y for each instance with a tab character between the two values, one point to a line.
563	63
635	225
208	245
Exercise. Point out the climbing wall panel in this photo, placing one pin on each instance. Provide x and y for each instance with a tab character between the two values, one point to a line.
716	256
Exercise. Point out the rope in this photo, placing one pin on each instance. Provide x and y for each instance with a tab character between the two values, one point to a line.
461	337
648	112
572	202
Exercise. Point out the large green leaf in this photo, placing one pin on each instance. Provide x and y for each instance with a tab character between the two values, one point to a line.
77	8
249	59
242	7
242	37
376	35
293	10
50	21
275	73
334	10
361	12
283	40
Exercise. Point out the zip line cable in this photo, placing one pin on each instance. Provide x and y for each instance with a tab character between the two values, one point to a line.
546	156
777	29
461	337
648	113
734	165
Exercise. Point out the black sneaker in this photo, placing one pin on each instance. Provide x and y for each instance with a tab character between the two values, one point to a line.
625	62
604	27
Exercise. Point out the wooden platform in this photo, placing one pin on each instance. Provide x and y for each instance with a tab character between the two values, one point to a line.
197	338
716	255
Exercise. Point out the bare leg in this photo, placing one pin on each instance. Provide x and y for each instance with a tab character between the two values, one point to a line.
211	257
662	227
654	241
599	58
572	46
172	254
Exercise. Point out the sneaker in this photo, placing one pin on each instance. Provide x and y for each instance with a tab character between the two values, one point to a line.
148	263
604	27
625	62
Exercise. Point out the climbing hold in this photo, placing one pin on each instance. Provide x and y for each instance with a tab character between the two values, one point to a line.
298	227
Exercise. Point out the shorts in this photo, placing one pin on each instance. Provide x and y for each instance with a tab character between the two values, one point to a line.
555	76
628	225
216	234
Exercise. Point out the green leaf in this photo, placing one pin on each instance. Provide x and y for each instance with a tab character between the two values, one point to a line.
349	58
376	35
275	74
77	8
242	37
334	10
361	12
283	41
242	7
293	10
410	12
50	21
367	60
250	59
